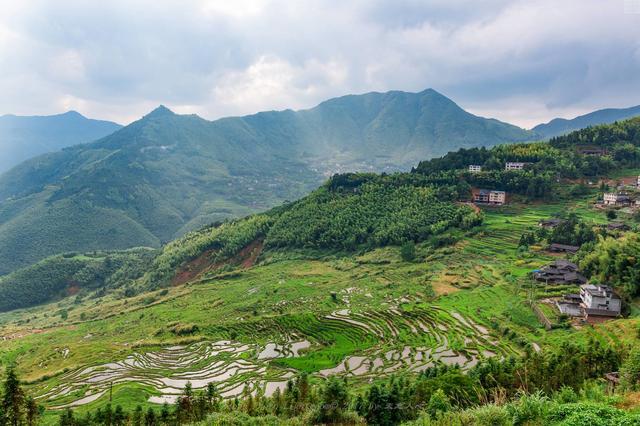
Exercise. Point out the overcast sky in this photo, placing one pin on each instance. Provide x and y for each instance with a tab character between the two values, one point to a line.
519	61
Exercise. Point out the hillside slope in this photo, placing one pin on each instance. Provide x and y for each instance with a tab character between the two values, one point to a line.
167	174
562	126
24	137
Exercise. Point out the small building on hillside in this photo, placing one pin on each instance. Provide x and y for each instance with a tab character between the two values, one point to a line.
617	226
560	272
474	168
563	248
486	196
600	300
513	165
550	223
595	301
616	199
599	152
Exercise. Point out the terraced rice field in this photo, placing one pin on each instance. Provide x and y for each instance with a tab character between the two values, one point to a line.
439	337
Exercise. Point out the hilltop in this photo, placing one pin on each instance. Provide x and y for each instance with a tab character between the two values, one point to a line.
24	137
562	126
167	174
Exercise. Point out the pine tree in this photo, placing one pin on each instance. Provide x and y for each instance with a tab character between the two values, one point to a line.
165	414
67	418
119	417
137	417
13	399
150	418
32	411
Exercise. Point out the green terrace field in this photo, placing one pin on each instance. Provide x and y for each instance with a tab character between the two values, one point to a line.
365	315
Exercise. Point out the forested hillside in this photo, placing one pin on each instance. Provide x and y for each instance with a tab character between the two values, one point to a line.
71	273
363	211
167	174
546	162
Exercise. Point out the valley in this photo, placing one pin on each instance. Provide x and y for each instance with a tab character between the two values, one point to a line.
264	324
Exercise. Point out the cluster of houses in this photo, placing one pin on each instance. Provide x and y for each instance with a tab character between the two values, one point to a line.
593	302
560	272
510	165
491	196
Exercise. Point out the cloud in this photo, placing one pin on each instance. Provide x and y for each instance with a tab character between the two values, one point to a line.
521	61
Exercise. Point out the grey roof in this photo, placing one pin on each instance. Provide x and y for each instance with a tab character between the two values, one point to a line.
600	290
563	247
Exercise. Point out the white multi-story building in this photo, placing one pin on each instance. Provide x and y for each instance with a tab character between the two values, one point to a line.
514	166
485	196
600	300
474	168
614	199
497	197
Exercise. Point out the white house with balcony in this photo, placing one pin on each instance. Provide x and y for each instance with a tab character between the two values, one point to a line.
512	165
475	168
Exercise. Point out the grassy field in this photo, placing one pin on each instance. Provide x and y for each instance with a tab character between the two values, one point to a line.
363	315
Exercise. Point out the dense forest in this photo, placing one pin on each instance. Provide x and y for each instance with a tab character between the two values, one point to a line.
349	212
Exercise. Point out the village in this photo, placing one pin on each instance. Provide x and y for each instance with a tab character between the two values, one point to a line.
591	303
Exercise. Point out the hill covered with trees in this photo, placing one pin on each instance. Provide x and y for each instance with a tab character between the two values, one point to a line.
167	174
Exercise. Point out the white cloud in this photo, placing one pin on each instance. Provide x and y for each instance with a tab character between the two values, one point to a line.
520	61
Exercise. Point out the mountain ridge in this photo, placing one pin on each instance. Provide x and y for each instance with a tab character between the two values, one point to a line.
25	137
561	126
166	173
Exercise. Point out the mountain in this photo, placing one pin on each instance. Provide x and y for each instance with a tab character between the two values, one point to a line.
166	174
561	126
23	137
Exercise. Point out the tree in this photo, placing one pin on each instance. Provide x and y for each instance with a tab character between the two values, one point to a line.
408	251
150	418
136	420
213	397
32	411
119	417
165	414
334	401
13	398
630	370
438	403
67	418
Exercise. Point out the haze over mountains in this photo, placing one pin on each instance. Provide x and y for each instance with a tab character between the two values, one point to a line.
166	174
561	126
24	137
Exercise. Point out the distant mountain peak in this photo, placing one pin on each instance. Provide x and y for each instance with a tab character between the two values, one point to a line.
160	111
72	113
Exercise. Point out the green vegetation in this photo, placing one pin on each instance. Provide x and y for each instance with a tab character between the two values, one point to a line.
614	261
71	274
165	175
391	283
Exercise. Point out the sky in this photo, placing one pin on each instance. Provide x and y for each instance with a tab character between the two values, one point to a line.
521	61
